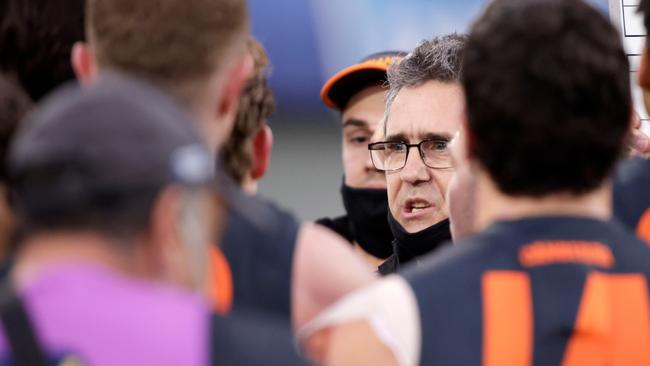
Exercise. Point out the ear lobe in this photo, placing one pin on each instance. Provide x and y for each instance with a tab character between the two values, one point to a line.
83	63
262	147
234	84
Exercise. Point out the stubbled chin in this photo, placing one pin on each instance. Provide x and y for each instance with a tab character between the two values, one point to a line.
419	224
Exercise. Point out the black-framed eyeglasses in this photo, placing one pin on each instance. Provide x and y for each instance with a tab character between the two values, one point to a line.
389	156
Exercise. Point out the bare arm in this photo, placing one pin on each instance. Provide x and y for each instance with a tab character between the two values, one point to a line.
377	325
355	343
325	268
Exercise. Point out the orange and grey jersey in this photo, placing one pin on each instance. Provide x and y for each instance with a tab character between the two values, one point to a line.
539	291
632	196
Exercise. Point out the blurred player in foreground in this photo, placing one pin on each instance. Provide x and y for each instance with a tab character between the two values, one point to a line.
113	232
196	51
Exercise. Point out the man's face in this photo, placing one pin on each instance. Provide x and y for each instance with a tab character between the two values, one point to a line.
361	118
416	193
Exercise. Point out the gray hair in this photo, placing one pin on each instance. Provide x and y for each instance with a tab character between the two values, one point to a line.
437	59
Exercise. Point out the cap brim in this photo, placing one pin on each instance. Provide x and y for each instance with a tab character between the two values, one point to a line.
338	90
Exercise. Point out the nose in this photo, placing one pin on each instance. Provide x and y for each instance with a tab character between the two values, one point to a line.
414	171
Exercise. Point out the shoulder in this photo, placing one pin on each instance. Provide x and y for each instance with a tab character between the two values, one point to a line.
465	256
270	232
631	171
260	251
631	192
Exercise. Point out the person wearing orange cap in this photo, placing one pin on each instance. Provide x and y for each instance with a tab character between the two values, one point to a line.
358	93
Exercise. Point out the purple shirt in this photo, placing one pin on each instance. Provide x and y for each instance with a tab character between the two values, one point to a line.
103	317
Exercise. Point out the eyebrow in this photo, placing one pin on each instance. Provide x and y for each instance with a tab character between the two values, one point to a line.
353	122
396	137
437	136
427	136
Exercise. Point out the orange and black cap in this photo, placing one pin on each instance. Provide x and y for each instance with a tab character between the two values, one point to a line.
338	90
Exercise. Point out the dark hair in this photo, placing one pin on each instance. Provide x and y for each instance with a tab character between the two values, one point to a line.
255	106
36	39
14	104
438	59
548	96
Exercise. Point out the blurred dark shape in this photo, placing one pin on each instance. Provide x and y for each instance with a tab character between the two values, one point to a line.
36	39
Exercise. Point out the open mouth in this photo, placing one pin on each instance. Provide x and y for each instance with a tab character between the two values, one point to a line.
417	207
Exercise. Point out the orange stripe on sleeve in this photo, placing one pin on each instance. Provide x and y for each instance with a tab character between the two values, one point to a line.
507	319
220	284
643	229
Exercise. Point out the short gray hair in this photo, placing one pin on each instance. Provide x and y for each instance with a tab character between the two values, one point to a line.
437	59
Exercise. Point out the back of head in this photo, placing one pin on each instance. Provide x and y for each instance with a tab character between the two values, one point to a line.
255	107
438	59
36	39
548	96
79	162
175	44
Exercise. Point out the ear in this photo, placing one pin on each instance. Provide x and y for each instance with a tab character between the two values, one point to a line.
83	63
235	80
262	147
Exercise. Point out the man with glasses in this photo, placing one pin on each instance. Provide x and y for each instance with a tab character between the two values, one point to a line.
424	110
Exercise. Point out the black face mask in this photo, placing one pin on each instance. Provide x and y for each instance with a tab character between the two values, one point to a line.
411	245
367	210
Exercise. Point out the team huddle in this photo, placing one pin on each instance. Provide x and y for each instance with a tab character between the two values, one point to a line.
496	192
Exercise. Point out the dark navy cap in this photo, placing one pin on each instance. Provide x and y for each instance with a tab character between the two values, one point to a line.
119	134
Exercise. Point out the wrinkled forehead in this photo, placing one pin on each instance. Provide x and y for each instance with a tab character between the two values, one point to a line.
430	110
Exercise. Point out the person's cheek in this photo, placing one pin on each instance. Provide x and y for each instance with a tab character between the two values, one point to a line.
354	165
393	184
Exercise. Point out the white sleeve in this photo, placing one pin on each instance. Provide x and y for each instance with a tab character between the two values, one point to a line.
390	307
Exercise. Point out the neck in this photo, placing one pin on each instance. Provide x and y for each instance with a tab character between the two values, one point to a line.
41	251
493	205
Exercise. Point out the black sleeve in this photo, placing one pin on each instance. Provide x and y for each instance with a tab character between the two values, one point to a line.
261	259
339	225
632	191
390	266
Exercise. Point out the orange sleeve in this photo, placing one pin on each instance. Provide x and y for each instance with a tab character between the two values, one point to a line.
643	230
220	285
